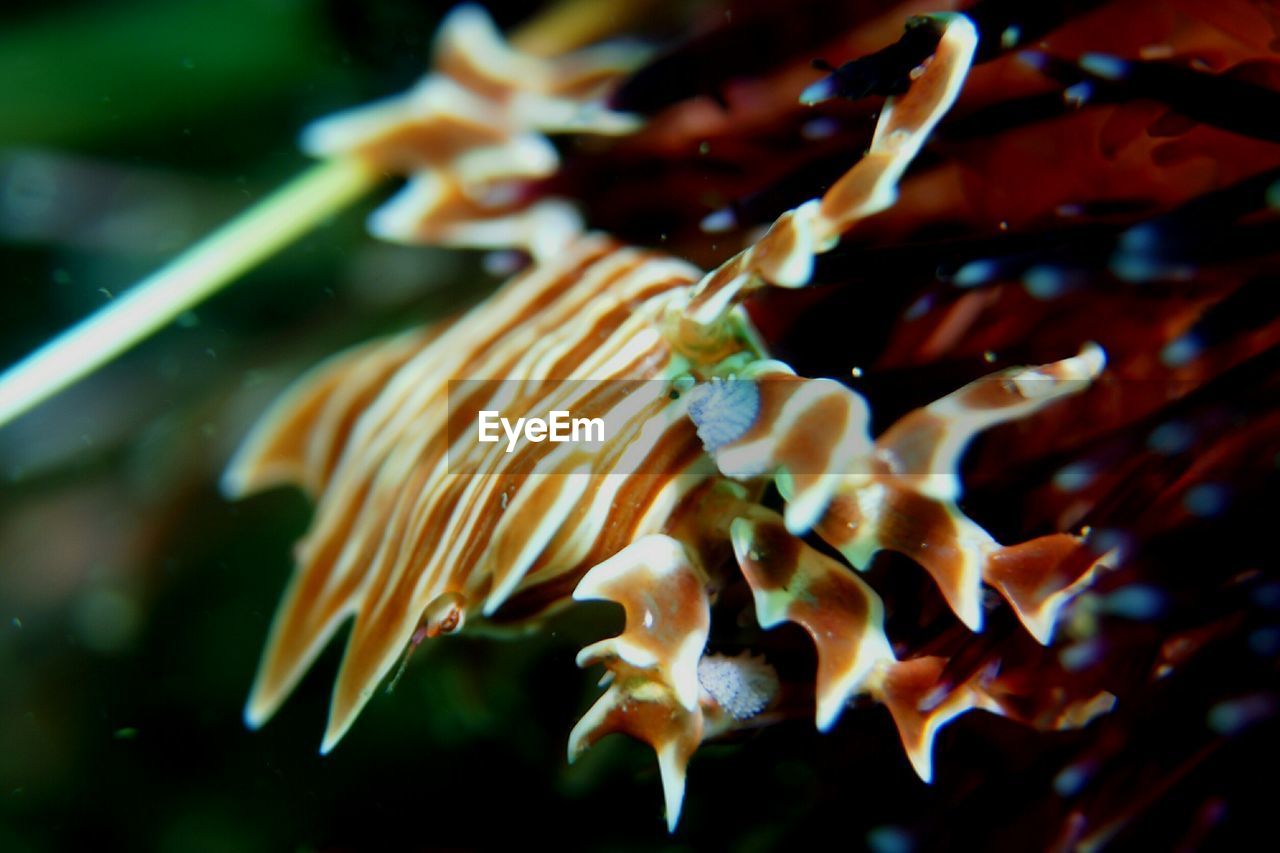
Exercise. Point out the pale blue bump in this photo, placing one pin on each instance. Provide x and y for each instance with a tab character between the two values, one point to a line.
1080	656
1074	477
819	91
1265	641
1180	351
974	273
1034	59
1140	238
1267	596
1134	267
1137	601
1071	779
1205	500
1079	94
1104	65
1045	282
1235	715
919	308
890	839
719	221
1170	438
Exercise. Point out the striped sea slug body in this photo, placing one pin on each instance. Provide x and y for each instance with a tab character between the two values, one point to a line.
419	532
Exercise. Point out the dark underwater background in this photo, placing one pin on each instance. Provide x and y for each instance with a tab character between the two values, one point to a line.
134	598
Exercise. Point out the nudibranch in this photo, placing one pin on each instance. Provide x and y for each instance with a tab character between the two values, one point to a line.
420	532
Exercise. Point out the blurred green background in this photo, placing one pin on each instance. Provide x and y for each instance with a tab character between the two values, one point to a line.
134	598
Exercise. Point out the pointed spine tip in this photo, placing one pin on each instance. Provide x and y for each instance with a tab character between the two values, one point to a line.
335	732
673	782
827	714
922	763
805	511
1095	358
252	718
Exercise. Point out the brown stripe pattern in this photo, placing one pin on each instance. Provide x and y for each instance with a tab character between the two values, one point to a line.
899	492
404	518
419	531
472	137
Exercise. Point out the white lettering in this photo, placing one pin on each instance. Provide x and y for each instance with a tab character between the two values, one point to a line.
512	434
559	428
487	423
587	424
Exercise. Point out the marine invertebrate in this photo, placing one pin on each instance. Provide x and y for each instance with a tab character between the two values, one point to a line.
420	530
1107	173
